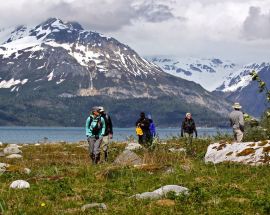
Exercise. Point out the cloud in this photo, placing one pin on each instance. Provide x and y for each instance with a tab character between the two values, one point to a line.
257	24
101	15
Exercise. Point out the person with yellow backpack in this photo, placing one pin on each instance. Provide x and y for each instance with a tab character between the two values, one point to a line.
143	130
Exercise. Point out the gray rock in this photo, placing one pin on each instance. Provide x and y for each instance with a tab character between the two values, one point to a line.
128	157
171	188
2	154
27	171
12	149
147	195
14	156
133	146
161	192
94	205
19	184
3	167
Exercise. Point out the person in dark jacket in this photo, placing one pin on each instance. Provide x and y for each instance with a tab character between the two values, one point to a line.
108	135
187	129
144	124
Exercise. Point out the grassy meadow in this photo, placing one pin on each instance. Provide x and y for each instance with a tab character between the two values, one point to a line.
62	180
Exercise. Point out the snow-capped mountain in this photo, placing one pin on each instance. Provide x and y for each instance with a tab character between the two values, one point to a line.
239	87
60	61
241	78
209	73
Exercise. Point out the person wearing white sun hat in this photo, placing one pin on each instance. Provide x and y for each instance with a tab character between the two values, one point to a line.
237	122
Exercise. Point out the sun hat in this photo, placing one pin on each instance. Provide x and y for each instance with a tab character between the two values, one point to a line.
101	109
188	114
95	108
237	105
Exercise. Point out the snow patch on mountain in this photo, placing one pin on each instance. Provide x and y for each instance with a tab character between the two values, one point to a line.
209	73
12	82
241	78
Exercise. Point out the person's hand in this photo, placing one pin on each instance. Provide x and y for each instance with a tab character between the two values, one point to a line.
110	136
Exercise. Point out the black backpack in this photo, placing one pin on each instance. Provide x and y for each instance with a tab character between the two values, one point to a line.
98	126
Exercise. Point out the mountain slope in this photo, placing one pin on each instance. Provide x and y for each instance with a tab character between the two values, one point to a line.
209	73
60	61
239	87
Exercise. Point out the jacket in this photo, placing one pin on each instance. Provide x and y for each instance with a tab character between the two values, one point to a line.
144	124
188	126
237	119
94	121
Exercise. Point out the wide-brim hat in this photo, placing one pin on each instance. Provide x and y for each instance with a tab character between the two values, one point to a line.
237	105
101	109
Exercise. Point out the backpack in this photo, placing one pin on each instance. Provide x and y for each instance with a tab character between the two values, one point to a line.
152	129
98	126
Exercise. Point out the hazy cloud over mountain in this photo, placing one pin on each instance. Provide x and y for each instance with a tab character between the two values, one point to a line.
232	29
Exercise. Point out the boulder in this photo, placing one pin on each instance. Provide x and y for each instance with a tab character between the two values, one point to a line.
12	149
252	153
128	157
133	146
14	156
94	205
19	184
161	192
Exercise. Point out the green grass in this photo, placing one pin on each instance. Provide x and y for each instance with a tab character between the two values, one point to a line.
63	178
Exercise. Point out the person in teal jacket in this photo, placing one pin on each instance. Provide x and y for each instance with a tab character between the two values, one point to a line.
95	130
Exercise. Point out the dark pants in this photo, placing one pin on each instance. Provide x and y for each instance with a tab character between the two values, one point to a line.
145	139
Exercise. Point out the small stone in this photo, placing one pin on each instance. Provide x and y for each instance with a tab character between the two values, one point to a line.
177	150
3	167
94	205
133	146
14	156
27	171
20	184
169	170
128	157
171	188
12	149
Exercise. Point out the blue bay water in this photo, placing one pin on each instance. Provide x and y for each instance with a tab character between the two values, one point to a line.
74	134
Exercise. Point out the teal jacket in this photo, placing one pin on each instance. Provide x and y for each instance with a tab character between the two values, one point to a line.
89	128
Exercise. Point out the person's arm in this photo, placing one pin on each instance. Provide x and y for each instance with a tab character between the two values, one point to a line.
195	130
103	127
182	128
110	125
241	122
87	126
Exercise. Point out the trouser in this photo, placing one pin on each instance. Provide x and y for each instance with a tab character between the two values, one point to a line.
94	148
145	139
105	146
188	142
238	135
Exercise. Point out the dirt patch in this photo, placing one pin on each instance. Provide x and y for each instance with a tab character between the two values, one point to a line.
246	152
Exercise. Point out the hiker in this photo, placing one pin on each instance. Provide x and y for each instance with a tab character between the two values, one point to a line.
143	125
152	126
187	129
108	135
237	122
95	129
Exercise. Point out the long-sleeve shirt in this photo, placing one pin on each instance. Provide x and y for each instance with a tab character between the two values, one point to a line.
91	124
237	119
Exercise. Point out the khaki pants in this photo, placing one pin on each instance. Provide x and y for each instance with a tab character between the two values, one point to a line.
188	141
105	143
238	135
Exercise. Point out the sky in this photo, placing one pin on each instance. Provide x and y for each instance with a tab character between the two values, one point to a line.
236	30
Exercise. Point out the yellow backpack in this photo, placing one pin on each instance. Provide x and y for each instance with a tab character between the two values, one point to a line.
139	131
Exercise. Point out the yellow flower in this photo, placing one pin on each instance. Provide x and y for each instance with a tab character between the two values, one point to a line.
42	204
